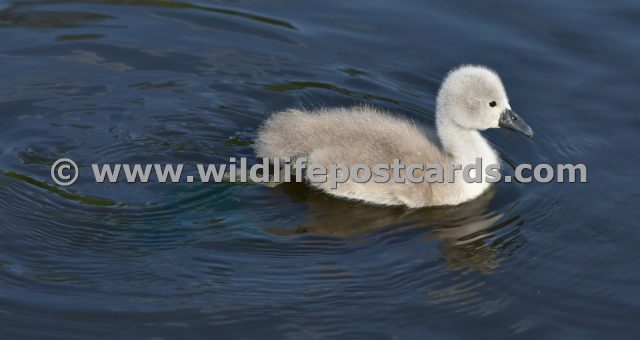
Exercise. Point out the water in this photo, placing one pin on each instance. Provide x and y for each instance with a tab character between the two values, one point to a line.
169	82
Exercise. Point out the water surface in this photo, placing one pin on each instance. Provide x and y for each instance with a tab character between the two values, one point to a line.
190	81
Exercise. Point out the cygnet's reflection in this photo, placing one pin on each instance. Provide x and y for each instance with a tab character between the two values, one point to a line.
465	230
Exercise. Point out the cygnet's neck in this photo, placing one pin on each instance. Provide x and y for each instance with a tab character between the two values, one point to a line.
463	144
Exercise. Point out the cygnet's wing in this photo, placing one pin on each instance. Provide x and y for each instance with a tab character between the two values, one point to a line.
364	132
348	137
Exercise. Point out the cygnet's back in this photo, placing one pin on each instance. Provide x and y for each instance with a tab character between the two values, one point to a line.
355	135
349	136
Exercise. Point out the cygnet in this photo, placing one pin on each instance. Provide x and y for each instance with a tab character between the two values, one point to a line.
471	98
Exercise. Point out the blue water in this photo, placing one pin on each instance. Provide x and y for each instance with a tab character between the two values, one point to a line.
190	81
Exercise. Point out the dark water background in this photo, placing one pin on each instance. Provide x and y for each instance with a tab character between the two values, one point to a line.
168	82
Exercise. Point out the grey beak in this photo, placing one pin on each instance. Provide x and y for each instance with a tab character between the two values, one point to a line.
511	120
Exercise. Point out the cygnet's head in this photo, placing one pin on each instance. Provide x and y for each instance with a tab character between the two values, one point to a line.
473	97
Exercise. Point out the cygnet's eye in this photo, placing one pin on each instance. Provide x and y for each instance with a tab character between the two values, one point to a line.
493	103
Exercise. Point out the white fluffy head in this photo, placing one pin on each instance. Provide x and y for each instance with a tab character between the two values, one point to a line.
473	97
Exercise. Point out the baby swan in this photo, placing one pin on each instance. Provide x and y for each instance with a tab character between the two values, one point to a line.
471	98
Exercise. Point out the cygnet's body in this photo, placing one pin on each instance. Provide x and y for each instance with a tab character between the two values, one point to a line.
471	98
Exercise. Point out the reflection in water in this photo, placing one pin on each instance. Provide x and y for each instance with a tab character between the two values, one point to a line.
13	17
465	231
59	192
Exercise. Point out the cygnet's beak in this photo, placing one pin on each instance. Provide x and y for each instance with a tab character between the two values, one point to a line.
511	120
